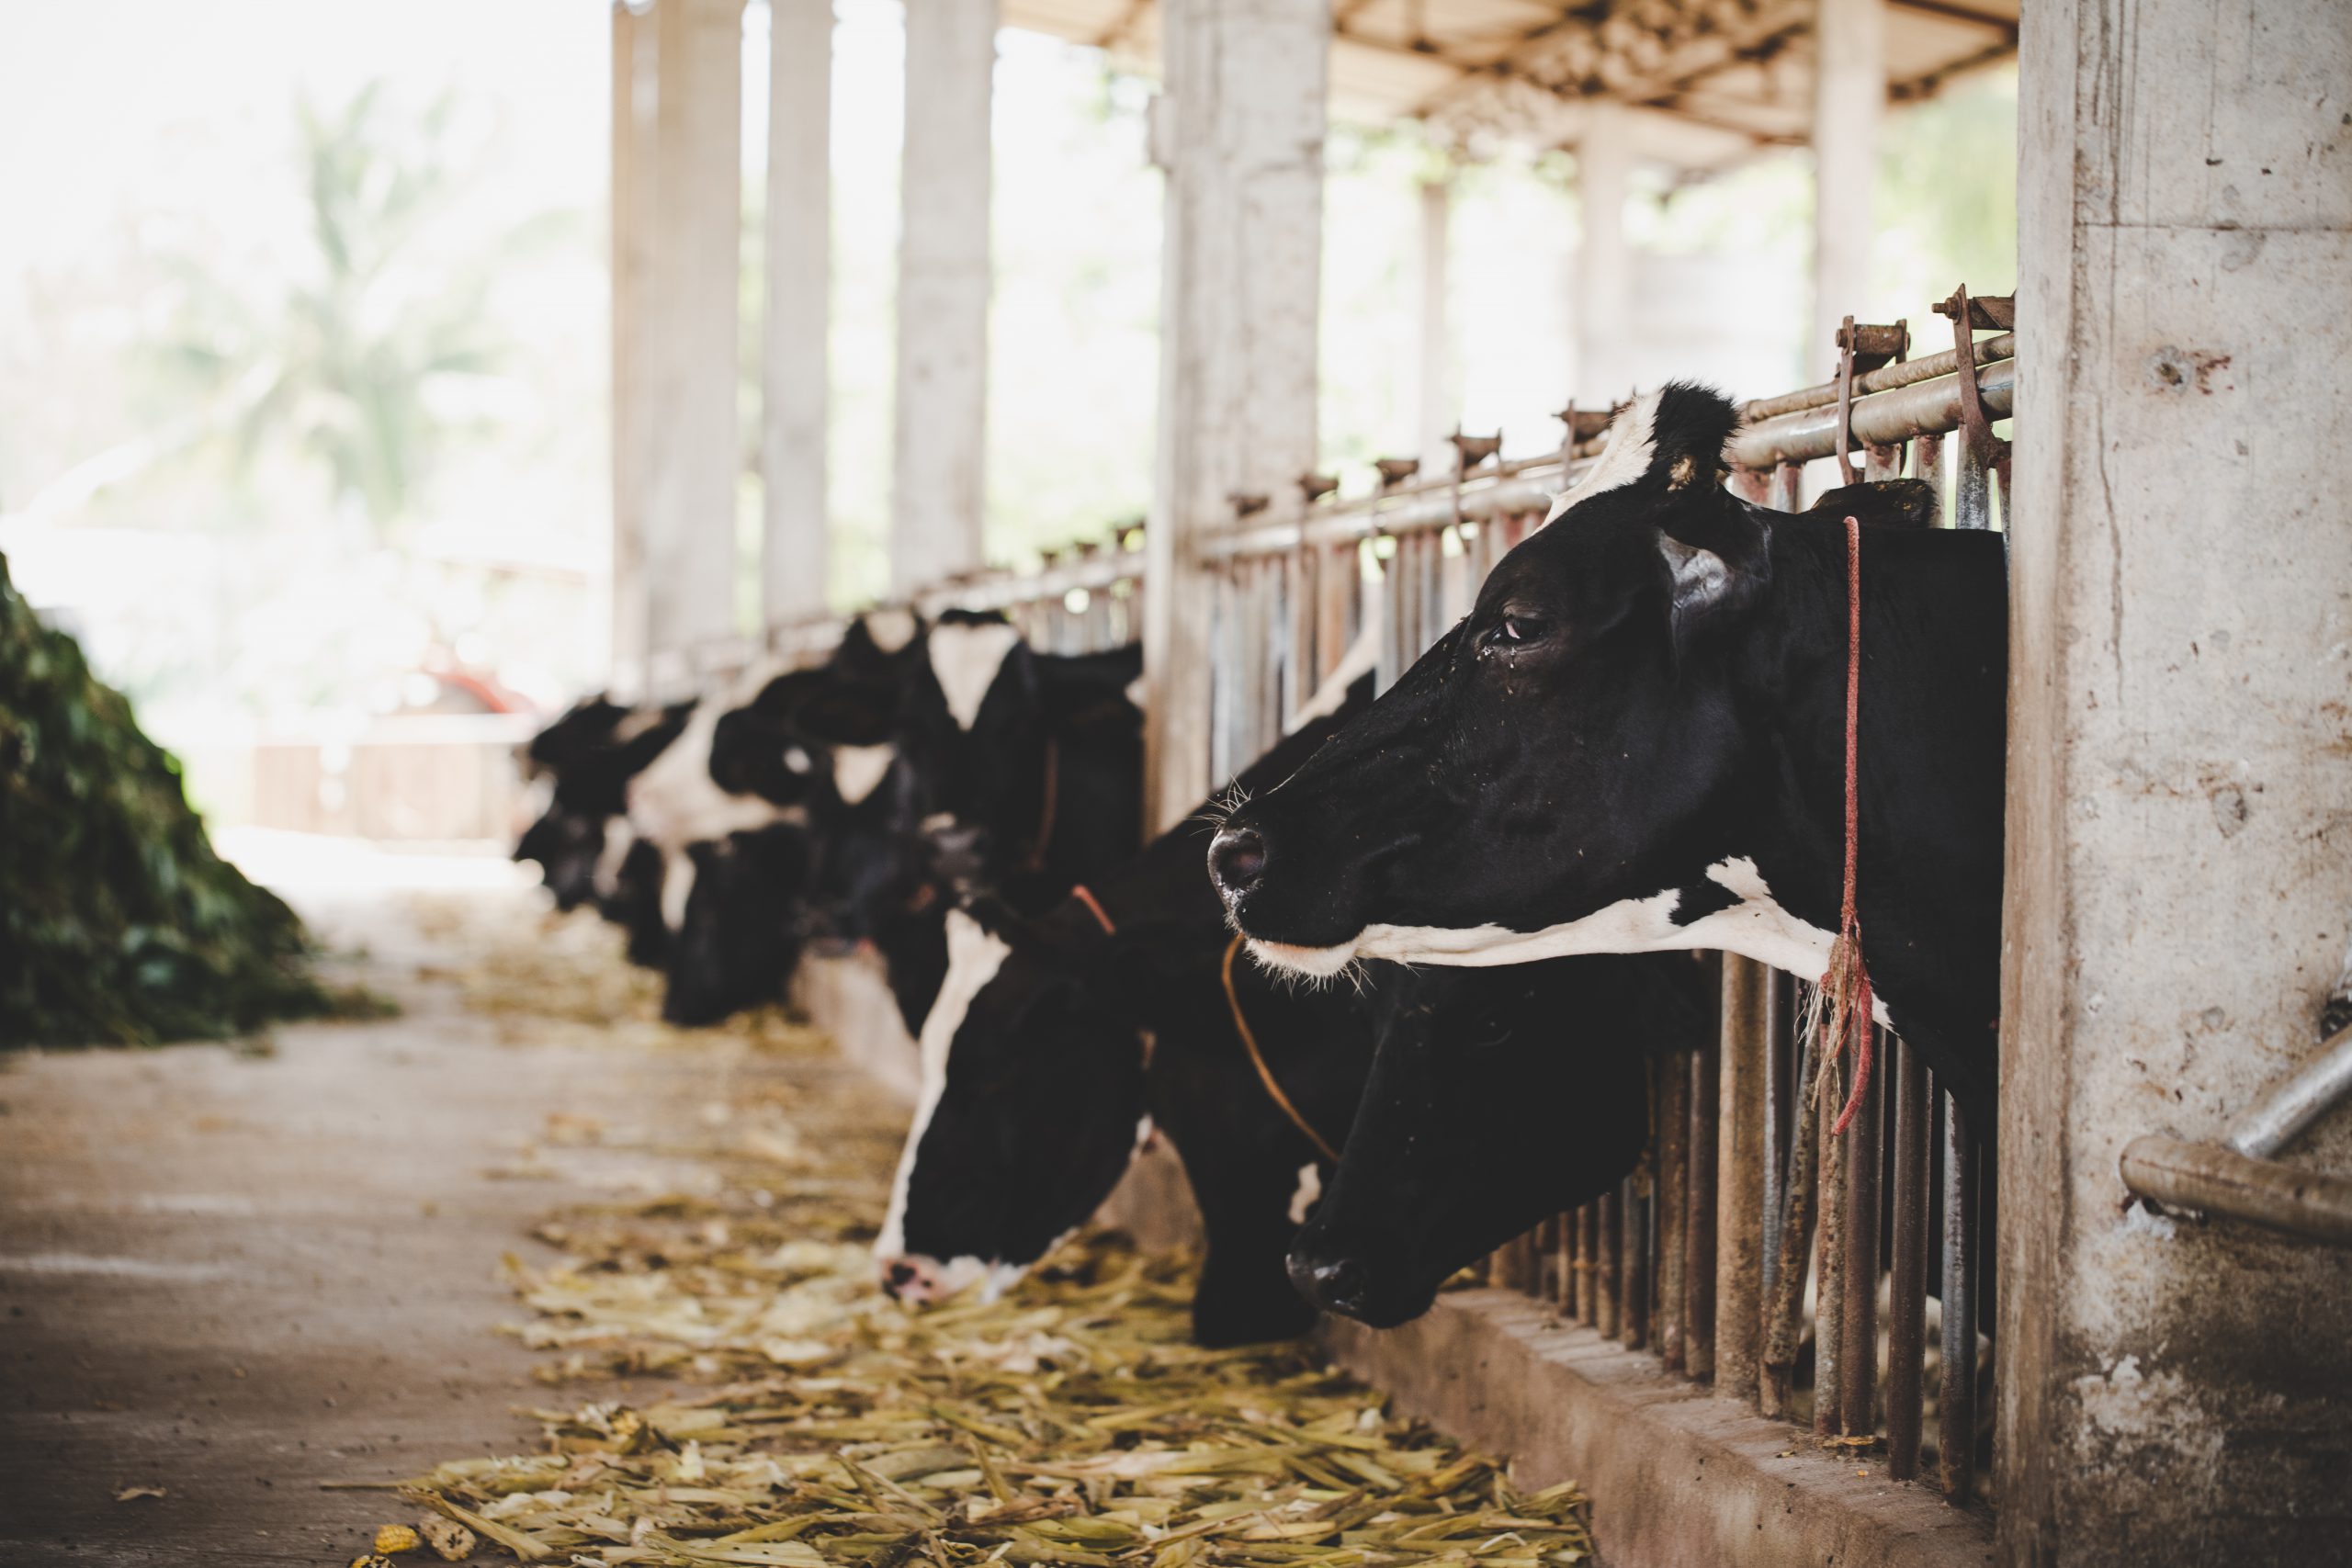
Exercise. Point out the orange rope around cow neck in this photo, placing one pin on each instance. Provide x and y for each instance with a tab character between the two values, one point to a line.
1258	1060
1094	907
1847	978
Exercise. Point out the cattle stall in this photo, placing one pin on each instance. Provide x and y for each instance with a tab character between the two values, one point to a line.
1803	1273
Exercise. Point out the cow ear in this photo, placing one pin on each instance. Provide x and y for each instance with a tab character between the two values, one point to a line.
1716	565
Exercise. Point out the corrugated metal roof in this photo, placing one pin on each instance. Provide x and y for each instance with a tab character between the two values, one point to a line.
1709	81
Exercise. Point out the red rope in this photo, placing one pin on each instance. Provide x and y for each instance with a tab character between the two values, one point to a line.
1094	907
1850	1012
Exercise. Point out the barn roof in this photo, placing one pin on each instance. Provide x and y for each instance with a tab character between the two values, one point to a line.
1709	81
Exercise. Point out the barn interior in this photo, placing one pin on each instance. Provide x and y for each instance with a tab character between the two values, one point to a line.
387	386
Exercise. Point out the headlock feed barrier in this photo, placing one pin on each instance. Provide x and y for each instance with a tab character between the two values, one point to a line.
1837	1282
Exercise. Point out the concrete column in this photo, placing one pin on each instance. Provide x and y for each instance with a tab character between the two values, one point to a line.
795	385
632	425
692	322
1849	97
1434	393
1239	128
2180	871
1602	312
939	491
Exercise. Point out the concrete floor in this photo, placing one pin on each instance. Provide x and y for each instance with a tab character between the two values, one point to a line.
235	1276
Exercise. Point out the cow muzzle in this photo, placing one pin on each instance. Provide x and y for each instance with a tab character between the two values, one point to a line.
915	1280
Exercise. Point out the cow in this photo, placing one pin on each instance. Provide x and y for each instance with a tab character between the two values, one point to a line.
1497	1096
1034	760
582	841
1059	1042
1635	742
739	939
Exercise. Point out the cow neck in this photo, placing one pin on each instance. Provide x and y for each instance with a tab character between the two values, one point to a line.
1258	1060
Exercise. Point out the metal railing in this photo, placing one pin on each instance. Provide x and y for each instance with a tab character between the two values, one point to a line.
1745	1250
1749	1249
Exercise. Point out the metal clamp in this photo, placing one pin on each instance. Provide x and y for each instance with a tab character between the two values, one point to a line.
2240	1178
1860	350
1995	313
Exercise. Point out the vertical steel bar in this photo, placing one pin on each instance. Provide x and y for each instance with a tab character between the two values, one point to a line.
1672	1075
1830	1267
1335	573
1786	1312
1739	1230
1752	484
1300	673
1779	1091
1972	488
1698	1225
1605	1275
1563	1261
1906	1321
1633	1277
1788	487
1589	1264
1956	1396
1882	462
1858	1360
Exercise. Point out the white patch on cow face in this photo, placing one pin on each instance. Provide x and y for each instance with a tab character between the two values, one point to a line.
891	628
538	794
798	763
634	723
1756	927
1633	443
619	839
858	769
1138	693
965	657
675	802
974	956
677	886
1310	1187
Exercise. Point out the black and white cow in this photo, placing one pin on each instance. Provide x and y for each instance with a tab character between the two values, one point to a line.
1059	1042
1497	1096
1635	742
1033	761
582	841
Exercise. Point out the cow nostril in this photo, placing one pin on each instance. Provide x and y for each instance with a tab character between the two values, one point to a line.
1336	1284
901	1271
1238	859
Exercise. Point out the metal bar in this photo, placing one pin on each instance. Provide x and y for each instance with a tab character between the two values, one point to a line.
1698	1223
1829	1265
1777	1371
1563	1261
1906	1296
1889	416
1780	1088
2298	1101
1788	486
1972	489
2213	1179
1858	1357
1589	1264
1672	1075
1634	1276
1956	1396
1606	1271
1739	1229
1886	379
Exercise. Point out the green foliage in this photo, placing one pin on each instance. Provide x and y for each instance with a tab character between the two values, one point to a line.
118	922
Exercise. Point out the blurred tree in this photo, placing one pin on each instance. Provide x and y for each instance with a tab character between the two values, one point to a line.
360	355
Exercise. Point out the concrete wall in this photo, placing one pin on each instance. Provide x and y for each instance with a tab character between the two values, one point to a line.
2180	823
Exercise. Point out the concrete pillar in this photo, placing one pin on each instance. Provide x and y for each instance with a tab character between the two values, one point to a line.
1849	97
692	322
2179	873
1435	412
794	385
632	406
1239	128
938	490
1601	313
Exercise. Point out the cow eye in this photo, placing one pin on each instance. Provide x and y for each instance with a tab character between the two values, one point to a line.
1514	631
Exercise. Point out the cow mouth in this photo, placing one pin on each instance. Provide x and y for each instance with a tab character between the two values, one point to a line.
1312	963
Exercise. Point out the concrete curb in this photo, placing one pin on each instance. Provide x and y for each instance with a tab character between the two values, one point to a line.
1678	1476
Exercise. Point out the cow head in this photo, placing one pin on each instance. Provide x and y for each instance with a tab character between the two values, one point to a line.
1496	1097
1579	764
1031	1106
738	939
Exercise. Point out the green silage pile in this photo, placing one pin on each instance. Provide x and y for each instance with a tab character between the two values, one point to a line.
118	922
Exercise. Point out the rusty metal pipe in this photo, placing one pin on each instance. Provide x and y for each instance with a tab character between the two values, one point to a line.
2298	1101
2213	1179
